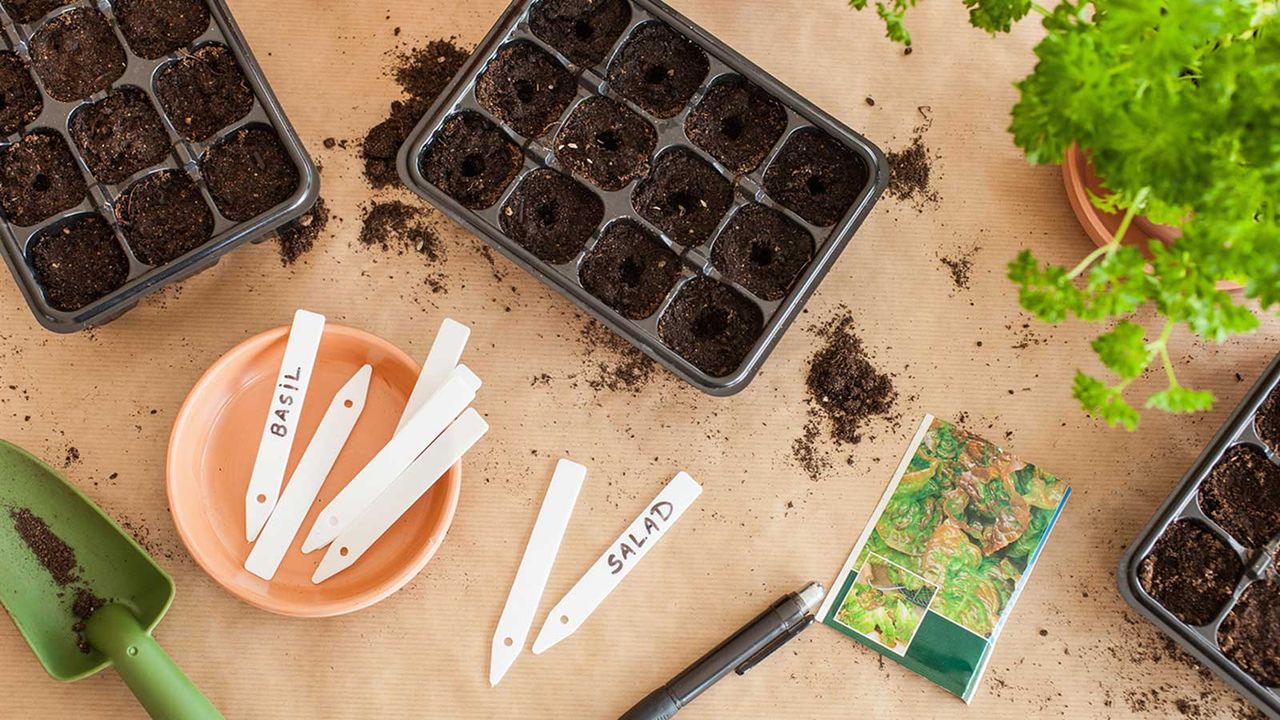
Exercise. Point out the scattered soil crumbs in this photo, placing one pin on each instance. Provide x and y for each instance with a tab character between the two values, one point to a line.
960	266
73	457
297	237
395	226
55	555
613	363
422	74
845	392
85	604
911	168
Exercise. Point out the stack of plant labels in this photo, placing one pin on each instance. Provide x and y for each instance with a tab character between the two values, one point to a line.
436	429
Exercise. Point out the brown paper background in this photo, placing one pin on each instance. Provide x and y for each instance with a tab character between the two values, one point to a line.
761	528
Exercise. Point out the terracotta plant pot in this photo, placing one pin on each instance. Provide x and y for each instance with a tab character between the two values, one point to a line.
1080	180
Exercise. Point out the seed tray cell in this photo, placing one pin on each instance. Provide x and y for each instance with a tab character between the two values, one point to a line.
133	188
636	135
1229	494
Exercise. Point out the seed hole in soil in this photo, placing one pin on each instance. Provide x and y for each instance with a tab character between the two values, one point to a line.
551	215
658	69
816	186
684	196
78	262
761	253
816	177
38	178
732	127
606	142
630	270
737	123
41	183
525	88
1242	494
471	160
583	30
762	250
711	325
1191	572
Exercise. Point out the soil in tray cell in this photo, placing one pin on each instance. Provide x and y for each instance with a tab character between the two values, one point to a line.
163	216
77	54
204	92
737	123
154	28
583	30
551	215
606	143
1267	421
762	250
630	270
471	160
119	135
20	101
1191	572
815	176
1250	633
1242	494
711	325
78	262
248	173
658	69
38	178
525	88
684	195
25	11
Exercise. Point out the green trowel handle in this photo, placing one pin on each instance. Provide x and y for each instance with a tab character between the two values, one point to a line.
150	673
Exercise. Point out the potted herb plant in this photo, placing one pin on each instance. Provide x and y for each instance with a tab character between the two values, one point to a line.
1174	106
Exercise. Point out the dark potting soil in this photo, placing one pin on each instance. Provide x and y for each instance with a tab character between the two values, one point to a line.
163	216
398	227
38	178
911	170
737	123
711	326
762	250
658	69
56	556
684	196
551	215
1242	494
422	74
119	135
77	54
85	604
1248	634
1191	572
298	237
78	262
525	88
471	160
249	173
630	270
20	101
204	92
1267	422
815	176
583	30
844	386
25	11
606	143
158	27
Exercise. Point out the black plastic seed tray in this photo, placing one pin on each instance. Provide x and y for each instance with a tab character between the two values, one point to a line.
184	157
713	287
1242	436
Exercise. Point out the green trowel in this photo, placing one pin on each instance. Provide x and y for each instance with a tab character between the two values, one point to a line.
80	556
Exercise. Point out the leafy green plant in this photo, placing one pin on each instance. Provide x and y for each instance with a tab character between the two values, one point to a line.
1176	103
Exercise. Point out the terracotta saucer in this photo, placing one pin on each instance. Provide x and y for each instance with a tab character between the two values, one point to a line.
212	451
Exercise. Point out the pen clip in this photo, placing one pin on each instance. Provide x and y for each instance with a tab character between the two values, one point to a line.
769	649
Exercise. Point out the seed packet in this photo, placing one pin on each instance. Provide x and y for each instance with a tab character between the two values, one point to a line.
935	575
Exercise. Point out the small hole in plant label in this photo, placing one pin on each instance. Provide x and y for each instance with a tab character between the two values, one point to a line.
41	182
525	90
261	498
333	520
608	140
711	323
508	642
732	127
655	74
815	186
761	253
472	165
347	403
583	30
564	619
344	551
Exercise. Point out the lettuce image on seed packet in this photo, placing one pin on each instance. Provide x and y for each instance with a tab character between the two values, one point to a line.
934	576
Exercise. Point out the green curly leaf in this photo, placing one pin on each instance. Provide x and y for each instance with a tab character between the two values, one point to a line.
1104	402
